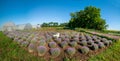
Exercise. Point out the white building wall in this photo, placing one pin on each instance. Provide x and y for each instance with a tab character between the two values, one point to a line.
20	27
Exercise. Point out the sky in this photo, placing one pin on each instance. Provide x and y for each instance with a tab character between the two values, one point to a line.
39	11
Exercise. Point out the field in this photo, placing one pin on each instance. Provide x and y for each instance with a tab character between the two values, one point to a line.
41	45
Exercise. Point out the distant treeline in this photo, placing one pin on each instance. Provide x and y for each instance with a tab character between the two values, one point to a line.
54	24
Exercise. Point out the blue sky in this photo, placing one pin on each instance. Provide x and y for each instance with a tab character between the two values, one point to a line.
39	11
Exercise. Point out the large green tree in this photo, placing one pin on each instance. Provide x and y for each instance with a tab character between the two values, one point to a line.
89	18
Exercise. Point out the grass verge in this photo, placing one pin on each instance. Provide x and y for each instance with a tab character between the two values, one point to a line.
110	54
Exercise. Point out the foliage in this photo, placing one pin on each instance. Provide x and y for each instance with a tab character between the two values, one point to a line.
50	24
73	44
24	43
54	24
101	45
63	44
42	43
83	42
94	47
41	50
111	54
52	44
11	51
84	50
31	48
89	18
55	52
71	51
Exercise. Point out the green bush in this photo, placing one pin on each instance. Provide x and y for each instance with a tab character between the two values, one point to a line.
83	42
73	44
84	50
52	44
31	48
41	50
63	44
55	52
71	51
42	43
95	47
101	45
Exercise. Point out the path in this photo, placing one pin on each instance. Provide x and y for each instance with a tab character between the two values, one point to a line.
106	35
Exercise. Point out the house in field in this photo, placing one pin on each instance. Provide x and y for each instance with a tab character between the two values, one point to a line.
9	26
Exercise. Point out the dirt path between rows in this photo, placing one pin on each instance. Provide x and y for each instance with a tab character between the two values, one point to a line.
106	35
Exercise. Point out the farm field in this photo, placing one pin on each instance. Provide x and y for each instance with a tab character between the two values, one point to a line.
59	30
40	45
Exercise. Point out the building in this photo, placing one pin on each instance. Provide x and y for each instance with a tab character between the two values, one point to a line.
9	26
20	27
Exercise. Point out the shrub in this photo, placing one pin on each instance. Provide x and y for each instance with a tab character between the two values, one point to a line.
94	47
88	37
106	43
110	42
16	39
31	48
48	40
67	39
58	40
42	43
52	44
76	39
101	45
103	39
83	38
34	40
84	50
19	41
24	43
71	51
94	37
55	52
90	42
83	42
62	37
97	41
73	43
41	50
63	44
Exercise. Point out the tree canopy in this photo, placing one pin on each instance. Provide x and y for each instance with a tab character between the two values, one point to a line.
54	24
89	18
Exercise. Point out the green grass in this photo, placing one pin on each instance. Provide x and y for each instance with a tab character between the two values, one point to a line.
10	51
112	32
111	54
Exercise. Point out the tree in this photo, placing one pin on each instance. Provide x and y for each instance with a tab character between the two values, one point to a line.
63	24
89	18
44	25
50	24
